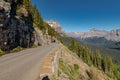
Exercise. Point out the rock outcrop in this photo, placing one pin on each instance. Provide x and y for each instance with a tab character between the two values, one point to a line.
14	31
42	39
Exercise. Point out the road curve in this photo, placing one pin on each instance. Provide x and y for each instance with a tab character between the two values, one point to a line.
24	65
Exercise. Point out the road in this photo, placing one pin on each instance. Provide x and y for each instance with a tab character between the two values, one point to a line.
24	65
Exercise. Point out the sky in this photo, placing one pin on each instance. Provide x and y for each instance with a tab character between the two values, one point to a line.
81	15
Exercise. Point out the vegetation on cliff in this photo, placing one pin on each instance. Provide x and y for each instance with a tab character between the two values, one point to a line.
71	70
33	17
38	20
71	67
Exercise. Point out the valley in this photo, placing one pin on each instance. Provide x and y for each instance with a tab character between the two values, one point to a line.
98	39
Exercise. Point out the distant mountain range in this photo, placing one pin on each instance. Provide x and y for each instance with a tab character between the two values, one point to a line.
108	42
113	35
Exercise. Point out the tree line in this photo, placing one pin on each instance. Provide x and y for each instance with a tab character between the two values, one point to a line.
103	63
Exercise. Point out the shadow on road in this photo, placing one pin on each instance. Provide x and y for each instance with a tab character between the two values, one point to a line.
46	78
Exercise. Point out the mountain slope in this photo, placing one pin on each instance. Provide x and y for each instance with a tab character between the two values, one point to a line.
91	58
106	41
72	67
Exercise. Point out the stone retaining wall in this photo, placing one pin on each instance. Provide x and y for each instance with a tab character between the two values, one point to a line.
49	66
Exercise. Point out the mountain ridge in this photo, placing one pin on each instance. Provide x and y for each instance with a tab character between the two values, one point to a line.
113	35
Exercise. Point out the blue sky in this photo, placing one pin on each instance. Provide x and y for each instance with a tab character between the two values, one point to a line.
81	15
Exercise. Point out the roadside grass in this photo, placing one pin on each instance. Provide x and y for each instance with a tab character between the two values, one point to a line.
1	52
17	49
72	71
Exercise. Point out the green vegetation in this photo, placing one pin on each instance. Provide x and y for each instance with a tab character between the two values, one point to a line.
72	71
106	47
95	58
1	52
16	49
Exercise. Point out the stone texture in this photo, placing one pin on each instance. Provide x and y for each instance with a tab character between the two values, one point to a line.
50	64
13	31
16	28
43	39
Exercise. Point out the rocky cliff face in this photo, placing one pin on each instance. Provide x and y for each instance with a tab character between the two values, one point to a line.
113	35
43	39
16	27
14	30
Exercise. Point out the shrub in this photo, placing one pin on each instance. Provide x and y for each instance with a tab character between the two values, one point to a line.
1	52
70	70
17	49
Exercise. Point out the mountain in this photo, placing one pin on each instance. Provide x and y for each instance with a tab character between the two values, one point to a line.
113	35
72	67
56	26
106	41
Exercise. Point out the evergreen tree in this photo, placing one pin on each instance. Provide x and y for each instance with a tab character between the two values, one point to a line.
27	4
74	46
98	59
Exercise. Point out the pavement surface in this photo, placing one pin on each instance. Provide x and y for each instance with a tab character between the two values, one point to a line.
24	65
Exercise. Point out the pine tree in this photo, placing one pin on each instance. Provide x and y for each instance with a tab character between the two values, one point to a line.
98	59
110	64
27	4
74	46
38	21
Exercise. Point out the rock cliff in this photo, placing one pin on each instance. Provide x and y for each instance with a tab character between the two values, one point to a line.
14	29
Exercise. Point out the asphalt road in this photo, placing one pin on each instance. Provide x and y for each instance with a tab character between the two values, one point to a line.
24	65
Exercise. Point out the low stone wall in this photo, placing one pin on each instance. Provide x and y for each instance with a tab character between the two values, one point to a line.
49	66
